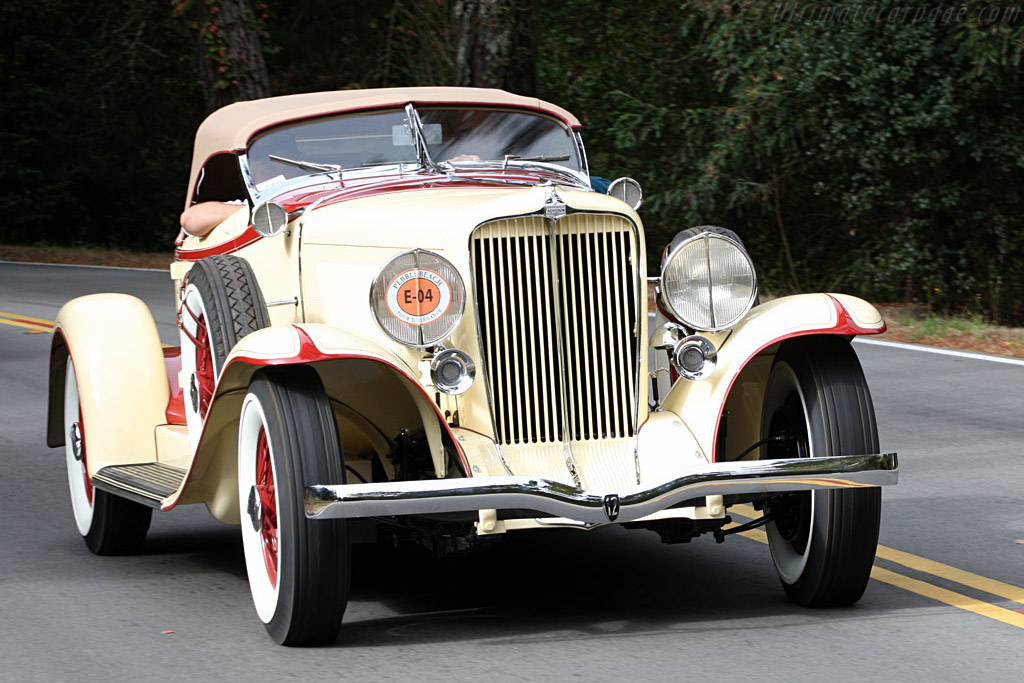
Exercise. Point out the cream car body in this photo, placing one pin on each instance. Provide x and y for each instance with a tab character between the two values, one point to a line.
574	418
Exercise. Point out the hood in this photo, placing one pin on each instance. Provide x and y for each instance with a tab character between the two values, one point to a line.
427	212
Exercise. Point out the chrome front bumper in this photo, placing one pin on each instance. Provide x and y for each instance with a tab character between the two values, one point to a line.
561	500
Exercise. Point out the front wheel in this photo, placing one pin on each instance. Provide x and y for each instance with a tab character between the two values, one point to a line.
817	404
298	568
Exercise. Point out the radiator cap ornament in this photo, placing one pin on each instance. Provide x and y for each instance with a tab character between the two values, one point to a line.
554	207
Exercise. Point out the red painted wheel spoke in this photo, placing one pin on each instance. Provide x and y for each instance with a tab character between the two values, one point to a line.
204	365
268	505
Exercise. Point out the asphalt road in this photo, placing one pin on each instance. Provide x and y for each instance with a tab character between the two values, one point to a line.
606	605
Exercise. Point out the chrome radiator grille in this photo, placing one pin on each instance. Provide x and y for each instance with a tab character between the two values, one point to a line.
559	325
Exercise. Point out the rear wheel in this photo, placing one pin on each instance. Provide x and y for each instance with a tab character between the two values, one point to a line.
298	568
109	525
817	404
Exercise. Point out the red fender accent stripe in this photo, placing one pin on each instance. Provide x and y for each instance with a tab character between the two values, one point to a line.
845	325
309	353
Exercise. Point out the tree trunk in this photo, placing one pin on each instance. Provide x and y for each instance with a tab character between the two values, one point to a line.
495	45
231	65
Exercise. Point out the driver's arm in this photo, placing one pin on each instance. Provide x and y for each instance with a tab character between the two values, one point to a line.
199	219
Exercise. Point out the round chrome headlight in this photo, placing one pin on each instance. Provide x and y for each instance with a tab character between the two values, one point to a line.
418	298
708	282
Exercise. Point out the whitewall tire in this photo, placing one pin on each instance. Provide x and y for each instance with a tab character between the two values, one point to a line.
817	404
298	568
109	525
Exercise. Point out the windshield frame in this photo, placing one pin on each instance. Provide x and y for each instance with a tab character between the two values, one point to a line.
424	164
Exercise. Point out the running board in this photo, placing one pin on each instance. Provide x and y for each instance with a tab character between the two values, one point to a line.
147	483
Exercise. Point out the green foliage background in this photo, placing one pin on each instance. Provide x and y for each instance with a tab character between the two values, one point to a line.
853	148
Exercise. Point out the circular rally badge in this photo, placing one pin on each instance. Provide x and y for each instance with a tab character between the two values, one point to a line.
418	296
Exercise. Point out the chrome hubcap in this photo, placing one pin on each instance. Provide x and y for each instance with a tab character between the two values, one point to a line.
194	393
254	509
75	434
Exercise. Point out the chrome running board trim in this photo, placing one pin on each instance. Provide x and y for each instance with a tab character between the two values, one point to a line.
560	500
146	483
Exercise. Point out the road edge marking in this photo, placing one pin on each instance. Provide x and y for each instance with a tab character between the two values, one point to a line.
971	355
80	265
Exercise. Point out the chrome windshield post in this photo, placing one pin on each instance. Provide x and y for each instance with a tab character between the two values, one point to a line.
420	140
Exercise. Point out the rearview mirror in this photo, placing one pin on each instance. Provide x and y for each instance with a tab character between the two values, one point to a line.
269	218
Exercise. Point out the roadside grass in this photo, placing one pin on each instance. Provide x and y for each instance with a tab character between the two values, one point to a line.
906	322
912	323
86	256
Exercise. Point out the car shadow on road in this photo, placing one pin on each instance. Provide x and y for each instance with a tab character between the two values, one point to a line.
543	585
552	584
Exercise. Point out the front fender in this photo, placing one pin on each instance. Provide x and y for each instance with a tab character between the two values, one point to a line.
122	380
748	351
375	394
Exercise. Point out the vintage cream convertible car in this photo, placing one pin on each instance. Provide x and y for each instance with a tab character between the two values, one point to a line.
425	323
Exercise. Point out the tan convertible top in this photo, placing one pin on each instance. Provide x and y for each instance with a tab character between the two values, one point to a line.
230	128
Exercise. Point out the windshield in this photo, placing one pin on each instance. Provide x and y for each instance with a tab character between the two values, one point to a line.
382	138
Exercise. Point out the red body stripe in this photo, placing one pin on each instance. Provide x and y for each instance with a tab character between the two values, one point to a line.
334	193
245	239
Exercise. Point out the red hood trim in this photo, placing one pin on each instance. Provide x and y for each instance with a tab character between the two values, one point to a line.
328	194
333	193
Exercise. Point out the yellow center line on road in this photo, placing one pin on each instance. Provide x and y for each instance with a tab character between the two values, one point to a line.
926	566
19	316
965	578
26	321
36	325
923	588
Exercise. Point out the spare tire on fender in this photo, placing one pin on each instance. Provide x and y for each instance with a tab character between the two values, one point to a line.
222	303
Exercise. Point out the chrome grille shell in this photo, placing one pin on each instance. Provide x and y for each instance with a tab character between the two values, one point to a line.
559	311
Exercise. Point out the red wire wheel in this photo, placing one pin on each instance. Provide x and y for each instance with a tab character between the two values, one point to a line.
207	380
298	568
221	303
268	505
